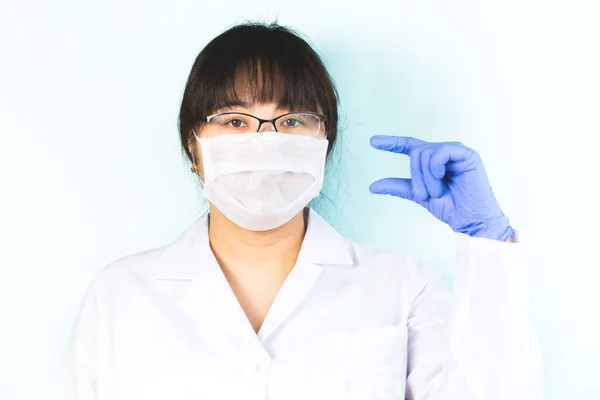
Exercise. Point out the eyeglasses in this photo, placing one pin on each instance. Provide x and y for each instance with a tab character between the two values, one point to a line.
307	124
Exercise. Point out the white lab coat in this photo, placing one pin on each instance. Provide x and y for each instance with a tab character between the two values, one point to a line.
350	322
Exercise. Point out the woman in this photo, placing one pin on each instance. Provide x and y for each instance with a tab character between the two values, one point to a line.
262	299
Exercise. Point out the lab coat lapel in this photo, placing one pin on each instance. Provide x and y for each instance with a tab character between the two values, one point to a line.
294	290
207	296
322	248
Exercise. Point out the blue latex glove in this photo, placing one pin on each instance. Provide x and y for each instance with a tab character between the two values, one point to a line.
449	180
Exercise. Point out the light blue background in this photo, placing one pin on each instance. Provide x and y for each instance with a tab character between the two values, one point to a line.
91	168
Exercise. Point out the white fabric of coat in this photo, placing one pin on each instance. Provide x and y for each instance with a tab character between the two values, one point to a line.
350	322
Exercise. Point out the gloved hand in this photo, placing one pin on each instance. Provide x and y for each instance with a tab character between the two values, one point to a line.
449	180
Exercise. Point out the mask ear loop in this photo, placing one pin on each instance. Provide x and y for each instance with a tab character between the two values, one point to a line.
193	168
195	171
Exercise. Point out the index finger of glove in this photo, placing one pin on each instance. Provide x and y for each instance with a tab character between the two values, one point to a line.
448	152
396	144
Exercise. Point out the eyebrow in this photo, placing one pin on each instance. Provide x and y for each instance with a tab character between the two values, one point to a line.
241	103
244	104
234	104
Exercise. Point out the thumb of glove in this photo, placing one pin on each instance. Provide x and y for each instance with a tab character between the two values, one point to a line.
399	187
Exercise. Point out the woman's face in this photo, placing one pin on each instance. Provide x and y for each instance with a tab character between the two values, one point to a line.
264	111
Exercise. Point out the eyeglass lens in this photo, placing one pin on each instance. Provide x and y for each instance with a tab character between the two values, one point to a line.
303	124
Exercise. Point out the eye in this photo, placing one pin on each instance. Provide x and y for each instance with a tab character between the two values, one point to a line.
235	123
292	122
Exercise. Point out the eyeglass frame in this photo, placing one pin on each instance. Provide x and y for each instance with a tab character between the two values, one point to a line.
272	121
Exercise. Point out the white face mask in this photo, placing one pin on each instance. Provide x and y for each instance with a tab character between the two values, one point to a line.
261	180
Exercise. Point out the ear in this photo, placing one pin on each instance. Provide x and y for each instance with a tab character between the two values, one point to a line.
191	144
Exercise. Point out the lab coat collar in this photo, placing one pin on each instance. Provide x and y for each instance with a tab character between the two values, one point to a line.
187	255
323	245
208	297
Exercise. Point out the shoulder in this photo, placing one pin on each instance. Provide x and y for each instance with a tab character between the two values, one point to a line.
133	266
118	282
137	271
375	266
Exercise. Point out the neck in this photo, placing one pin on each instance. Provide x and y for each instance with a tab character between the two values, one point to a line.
242	251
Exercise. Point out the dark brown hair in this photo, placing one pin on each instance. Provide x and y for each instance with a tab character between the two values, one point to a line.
257	63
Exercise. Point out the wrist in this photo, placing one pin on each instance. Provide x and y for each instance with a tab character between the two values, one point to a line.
497	229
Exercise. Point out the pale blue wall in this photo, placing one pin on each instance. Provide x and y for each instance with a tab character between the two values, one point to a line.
91	170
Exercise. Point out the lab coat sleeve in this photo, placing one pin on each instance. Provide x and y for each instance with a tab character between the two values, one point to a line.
478	344
77	378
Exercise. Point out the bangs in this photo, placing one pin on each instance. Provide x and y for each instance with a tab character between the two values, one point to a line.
265	79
